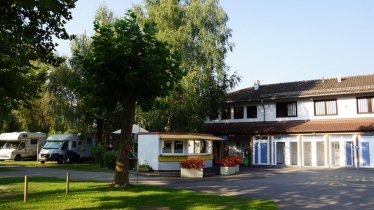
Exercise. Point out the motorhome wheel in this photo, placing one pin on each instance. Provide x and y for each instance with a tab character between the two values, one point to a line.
17	158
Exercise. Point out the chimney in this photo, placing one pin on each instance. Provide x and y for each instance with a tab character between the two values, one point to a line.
257	84
339	78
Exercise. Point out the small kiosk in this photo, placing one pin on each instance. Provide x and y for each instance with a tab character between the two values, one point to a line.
163	150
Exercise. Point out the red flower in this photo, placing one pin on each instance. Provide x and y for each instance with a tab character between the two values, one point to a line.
230	161
192	163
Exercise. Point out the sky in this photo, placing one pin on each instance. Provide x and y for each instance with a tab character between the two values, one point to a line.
278	40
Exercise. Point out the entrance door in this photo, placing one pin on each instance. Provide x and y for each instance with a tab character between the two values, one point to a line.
293	153
365	153
335	154
260	148
349	153
307	153
280	153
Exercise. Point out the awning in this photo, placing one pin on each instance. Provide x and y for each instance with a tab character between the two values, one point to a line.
190	137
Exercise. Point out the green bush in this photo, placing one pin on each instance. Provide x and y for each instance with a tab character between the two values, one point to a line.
98	152
110	158
144	168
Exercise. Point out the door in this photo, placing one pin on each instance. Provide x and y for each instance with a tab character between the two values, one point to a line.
307	153
365	153
280	153
335	154
260	154
294	154
22	150
349	153
320	153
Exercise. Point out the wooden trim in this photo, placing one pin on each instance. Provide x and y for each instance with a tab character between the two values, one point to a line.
188	137
174	158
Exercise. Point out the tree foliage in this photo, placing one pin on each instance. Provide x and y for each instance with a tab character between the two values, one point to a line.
127	65
198	30
26	31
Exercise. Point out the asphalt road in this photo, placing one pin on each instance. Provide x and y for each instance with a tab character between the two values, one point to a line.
290	188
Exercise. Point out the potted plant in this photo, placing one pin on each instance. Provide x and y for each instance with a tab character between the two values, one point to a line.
192	168
229	165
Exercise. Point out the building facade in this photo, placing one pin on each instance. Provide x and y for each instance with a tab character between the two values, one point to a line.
327	123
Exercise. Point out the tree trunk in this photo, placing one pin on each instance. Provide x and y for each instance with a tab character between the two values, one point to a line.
121	175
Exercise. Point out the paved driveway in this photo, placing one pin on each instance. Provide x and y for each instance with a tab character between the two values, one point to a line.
290	188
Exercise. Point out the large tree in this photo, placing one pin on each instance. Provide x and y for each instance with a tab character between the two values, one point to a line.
198	30
128	66
26	31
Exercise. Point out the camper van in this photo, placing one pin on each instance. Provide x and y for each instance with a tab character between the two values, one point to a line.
21	145
66	148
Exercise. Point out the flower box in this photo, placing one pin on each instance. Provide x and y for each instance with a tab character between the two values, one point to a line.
227	170
192	173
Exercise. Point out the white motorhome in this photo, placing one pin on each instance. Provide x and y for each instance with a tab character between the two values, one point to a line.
21	145
65	148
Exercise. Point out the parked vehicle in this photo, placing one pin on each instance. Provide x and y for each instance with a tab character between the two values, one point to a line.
21	145
66	148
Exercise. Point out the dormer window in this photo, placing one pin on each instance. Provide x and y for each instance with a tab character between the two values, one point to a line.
365	105
238	112
286	109
325	107
225	113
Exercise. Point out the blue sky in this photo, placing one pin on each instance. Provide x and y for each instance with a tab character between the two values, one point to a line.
279	40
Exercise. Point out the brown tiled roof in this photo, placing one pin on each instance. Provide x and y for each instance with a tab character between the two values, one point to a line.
289	127
310	88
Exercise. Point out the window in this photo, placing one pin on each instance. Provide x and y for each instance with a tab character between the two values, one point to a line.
325	107
64	146
286	109
166	148
172	147
198	147
251	112
238	112
226	113
34	141
365	105
178	146
74	144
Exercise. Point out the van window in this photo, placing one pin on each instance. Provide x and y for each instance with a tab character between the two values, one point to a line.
74	144
22	145
64	146
34	141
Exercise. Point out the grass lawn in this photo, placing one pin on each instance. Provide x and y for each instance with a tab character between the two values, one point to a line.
49	193
79	167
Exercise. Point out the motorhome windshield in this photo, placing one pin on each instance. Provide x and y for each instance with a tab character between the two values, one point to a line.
53	144
11	144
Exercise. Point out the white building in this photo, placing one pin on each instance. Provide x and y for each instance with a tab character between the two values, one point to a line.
164	151
327	122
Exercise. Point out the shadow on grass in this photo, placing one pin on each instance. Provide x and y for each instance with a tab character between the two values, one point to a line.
99	195
148	197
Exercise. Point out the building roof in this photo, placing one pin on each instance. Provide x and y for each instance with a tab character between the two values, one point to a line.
291	127
309	88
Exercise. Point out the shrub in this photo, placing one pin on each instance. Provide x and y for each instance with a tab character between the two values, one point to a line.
110	158
98	152
192	163
144	168
230	161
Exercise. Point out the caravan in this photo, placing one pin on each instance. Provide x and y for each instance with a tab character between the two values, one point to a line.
66	148
21	145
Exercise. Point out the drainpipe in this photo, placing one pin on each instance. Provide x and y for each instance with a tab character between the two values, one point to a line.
263	108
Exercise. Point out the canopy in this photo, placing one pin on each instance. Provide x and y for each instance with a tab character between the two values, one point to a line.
135	129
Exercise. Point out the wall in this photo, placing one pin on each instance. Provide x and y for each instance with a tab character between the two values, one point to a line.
148	150
346	105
